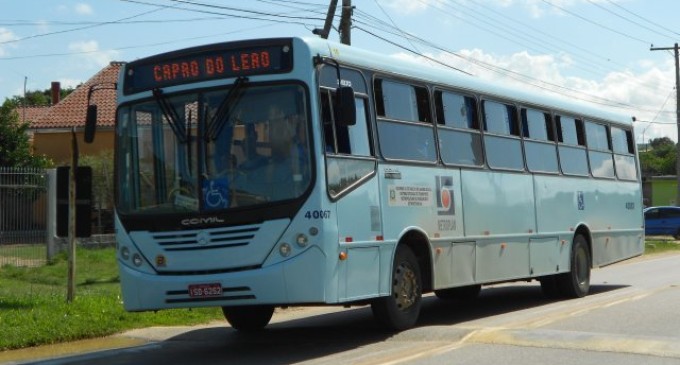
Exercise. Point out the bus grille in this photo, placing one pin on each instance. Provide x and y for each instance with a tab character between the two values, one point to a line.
206	240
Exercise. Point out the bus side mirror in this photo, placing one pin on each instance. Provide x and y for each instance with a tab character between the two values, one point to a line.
90	123
345	106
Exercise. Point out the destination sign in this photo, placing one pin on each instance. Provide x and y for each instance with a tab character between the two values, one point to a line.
206	64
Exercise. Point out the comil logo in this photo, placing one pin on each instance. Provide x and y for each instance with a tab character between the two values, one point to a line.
197	221
445	198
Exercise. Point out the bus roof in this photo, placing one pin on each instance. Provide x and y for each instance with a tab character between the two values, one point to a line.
451	78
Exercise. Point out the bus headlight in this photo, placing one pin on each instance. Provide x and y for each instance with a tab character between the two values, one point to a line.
285	249
125	253
302	240
137	260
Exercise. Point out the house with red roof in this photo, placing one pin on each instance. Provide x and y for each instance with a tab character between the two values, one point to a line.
51	127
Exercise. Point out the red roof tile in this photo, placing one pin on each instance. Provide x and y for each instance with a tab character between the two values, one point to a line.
30	113
70	112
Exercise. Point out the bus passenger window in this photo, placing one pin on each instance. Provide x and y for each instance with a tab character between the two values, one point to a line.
500	118
455	110
599	150
396	100
460	142
537	125
624	154
502	145
539	142
571	148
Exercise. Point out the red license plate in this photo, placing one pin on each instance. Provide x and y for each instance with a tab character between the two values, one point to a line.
205	290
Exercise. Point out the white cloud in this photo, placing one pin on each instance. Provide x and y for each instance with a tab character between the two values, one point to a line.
83	9
407	6
90	51
5	36
69	83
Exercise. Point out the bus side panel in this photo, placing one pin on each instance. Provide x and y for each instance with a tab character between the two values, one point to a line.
604	207
617	231
359	227
499	206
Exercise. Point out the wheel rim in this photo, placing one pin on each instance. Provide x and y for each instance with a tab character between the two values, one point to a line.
581	266
405	286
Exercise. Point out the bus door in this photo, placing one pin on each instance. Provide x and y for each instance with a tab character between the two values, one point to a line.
352	184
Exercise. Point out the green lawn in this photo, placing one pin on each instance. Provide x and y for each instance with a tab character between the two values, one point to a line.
33	308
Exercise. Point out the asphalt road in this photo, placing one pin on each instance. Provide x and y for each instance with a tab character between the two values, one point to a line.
632	316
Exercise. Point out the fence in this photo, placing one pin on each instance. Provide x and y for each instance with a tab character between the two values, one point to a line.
28	217
23	216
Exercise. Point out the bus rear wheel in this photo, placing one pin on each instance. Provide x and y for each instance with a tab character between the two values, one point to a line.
400	310
248	318
576	282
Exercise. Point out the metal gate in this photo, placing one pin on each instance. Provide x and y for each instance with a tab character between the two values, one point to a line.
23	216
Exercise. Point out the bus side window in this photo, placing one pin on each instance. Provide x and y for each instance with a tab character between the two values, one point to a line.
402	101
460	142
539	141
599	150
404	110
348	140
624	154
571	147
501	142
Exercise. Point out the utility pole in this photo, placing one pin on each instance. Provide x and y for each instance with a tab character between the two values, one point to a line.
323	33
346	22
677	114
345	26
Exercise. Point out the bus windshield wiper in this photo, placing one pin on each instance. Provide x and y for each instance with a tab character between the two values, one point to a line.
218	121
170	115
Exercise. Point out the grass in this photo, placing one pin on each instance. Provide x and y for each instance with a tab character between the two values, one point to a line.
30	252
660	245
33	308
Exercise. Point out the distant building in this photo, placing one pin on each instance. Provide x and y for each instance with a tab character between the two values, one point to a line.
51	126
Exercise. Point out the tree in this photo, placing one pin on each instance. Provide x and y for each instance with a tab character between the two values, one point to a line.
40	97
661	159
15	148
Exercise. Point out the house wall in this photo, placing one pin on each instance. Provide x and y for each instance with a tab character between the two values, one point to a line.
57	145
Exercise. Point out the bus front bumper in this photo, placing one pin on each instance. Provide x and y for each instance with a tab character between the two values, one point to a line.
298	280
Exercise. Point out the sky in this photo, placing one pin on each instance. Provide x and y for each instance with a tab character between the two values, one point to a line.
598	51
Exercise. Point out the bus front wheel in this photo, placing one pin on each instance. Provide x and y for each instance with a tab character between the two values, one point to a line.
248	318
400	310
576	282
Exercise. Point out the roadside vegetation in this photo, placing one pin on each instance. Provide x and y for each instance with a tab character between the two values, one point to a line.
33	308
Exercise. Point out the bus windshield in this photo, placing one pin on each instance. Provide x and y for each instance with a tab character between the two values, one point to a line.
213	150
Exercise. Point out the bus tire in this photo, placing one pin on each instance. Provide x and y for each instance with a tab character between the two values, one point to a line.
400	310
576	282
463	293
248	318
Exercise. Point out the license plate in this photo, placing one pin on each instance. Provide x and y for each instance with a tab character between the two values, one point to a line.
205	290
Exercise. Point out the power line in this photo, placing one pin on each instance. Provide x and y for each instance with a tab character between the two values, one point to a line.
628	20
80	28
596	23
642	18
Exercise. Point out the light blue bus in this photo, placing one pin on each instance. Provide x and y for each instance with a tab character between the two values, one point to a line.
277	172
